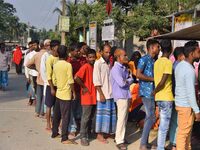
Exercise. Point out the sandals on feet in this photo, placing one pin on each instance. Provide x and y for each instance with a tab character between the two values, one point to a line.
121	147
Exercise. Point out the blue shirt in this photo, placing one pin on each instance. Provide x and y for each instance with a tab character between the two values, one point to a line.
185	78
120	81
146	64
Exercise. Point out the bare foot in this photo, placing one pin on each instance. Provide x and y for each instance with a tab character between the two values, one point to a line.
101	139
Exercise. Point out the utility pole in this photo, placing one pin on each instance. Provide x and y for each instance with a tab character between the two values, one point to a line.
63	40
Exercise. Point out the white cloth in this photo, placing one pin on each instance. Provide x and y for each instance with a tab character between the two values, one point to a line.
4	61
31	72
43	67
101	76
122	116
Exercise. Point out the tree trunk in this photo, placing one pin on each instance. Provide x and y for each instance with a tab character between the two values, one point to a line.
84	33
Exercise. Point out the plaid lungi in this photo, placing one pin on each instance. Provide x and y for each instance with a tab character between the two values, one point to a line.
106	117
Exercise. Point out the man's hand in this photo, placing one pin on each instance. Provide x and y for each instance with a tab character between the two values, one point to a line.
85	90
102	98
153	93
8	68
53	92
197	117
28	80
74	97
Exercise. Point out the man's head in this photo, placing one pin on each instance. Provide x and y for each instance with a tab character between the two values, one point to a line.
120	56
30	45
54	44
153	47
82	47
47	44
91	56
166	47
35	45
106	50
62	52
2	47
73	50
179	53
192	51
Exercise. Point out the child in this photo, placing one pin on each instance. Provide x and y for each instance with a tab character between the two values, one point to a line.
88	94
163	91
65	86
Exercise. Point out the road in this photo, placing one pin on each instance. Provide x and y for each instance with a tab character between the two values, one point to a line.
21	130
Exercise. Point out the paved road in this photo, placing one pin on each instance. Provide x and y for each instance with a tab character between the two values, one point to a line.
20	130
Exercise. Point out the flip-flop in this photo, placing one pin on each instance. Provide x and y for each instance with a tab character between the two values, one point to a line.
69	142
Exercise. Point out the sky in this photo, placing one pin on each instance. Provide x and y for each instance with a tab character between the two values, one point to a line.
38	13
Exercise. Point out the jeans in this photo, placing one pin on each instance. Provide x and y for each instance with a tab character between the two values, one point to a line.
150	118
173	127
3	79
89	113
39	109
72	124
165	109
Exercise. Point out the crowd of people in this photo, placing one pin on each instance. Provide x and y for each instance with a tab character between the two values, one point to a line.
79	93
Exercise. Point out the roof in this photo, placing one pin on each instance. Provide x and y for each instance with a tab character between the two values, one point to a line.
190	33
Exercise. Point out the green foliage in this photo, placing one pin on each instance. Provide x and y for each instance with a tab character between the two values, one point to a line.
10	27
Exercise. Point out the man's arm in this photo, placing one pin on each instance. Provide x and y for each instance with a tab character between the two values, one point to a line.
80	82
97	81
31	63
142	77
161	84
190	82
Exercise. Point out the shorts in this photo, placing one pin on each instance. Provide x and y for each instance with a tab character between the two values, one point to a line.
49	99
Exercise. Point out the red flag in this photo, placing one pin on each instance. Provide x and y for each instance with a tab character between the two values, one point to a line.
109	7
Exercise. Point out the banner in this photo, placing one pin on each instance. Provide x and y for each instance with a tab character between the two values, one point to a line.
93	35
63	24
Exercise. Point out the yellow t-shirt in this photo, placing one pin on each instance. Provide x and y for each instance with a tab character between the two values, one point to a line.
62	71
163	66
51	60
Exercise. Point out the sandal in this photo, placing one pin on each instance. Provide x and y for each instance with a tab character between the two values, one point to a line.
69	141
121	147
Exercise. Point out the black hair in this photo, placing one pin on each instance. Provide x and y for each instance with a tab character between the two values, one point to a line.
54	43
2	45
36	41
166	46
62	51
72	47
31	42
151	42
80	45
178	51
91	51
103	46
190	47
135	57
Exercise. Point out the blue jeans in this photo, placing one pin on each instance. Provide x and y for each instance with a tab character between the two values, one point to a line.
39	108
165	109
3	79
173	127
150	118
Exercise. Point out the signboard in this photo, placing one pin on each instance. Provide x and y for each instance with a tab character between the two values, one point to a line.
181	22
108	33
93	35
64	24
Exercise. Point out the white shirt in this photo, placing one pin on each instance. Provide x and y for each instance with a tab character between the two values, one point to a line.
101	75
43	67
31	72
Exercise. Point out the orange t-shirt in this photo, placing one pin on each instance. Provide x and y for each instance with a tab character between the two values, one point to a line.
85	73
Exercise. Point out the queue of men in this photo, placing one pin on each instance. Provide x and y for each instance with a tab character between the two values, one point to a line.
77	93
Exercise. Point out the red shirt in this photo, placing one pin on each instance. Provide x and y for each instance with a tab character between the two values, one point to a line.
85	73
